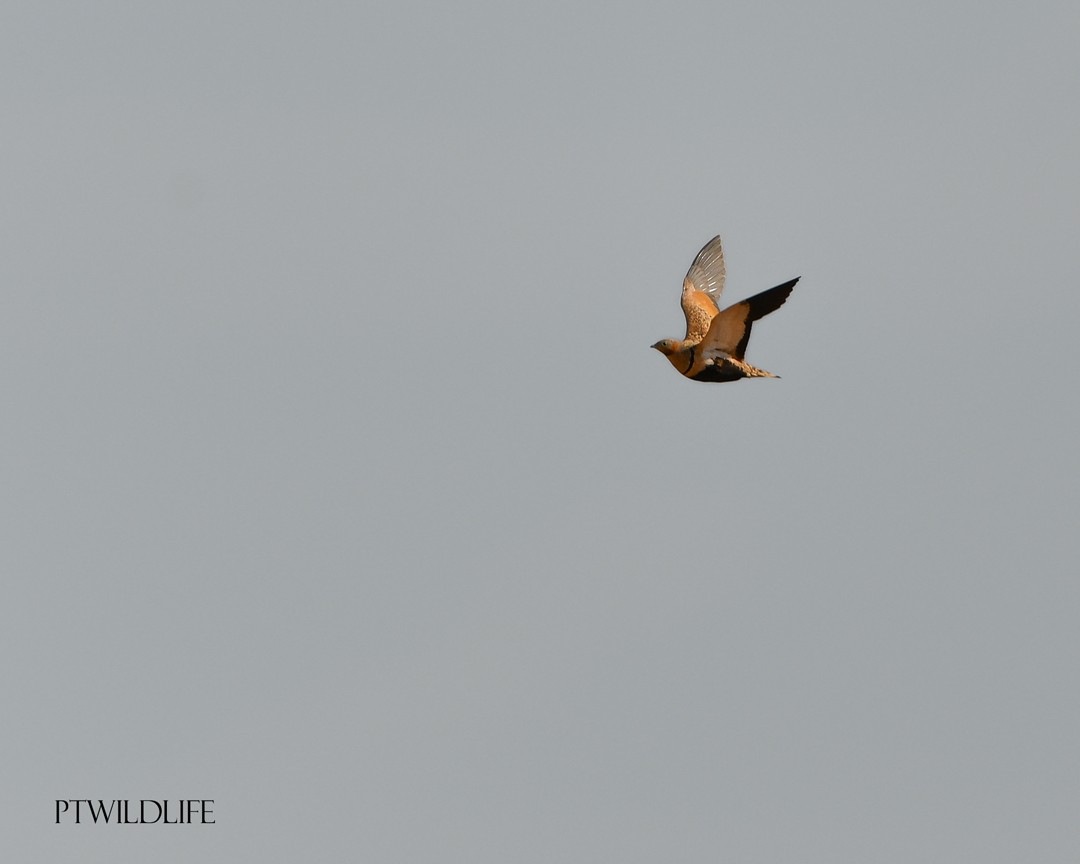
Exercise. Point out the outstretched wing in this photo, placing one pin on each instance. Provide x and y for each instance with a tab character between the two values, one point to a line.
729	332
707	272
701	289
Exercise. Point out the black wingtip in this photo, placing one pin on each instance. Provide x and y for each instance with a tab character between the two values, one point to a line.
769	301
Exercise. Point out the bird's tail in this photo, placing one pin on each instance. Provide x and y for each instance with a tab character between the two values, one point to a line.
750	371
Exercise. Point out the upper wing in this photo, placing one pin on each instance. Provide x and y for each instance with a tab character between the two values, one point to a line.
701	289
729	332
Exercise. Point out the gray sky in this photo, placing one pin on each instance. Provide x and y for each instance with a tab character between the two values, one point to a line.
342	487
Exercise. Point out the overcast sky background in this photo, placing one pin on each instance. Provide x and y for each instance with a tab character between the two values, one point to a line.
341	485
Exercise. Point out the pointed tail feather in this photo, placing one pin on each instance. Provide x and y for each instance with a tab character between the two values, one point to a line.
750	371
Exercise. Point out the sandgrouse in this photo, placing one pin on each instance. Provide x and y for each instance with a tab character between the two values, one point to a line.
716	341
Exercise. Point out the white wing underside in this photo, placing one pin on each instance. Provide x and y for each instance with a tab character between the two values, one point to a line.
707	273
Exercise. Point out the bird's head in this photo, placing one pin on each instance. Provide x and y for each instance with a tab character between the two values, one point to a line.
666	347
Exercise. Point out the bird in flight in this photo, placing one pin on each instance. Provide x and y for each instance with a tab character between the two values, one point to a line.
716	340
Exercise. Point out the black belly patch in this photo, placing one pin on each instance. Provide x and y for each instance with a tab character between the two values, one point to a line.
718	373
